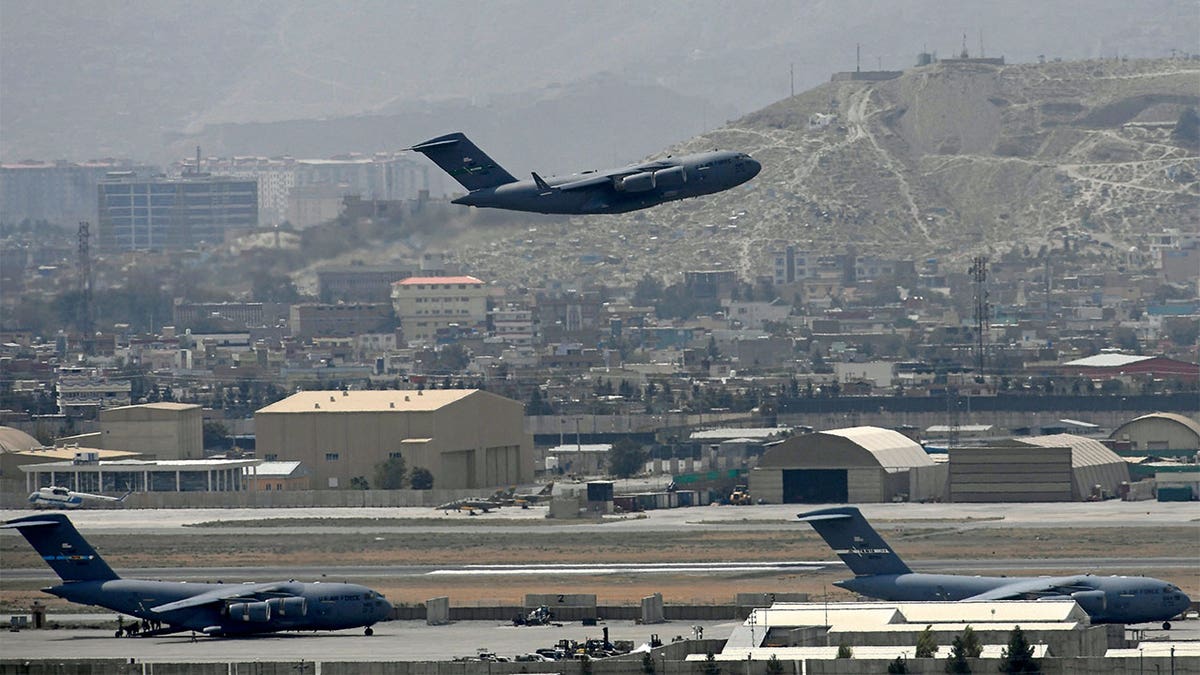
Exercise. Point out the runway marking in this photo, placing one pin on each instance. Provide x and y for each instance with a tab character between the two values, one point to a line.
632	568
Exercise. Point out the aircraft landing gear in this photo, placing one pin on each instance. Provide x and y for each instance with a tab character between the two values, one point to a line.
369	631
1166	625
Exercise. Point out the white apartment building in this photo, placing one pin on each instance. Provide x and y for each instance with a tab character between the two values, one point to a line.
426	304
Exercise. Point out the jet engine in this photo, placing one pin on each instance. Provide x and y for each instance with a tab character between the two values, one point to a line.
257	612
638	182
669	178
1092	602
290	607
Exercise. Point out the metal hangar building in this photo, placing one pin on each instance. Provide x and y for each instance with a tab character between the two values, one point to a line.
467	438
854	465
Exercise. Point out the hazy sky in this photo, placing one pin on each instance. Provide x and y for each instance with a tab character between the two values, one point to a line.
120	77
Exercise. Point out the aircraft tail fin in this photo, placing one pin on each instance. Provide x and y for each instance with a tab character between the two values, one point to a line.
55	538
854	540
464	161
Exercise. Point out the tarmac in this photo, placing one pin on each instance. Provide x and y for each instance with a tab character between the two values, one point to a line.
392	641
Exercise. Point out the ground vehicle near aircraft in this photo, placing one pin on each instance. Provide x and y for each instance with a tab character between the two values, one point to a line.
880	573
213	609
54	497
628	188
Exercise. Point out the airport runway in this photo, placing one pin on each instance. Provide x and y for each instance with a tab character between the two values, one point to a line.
759	517
993	566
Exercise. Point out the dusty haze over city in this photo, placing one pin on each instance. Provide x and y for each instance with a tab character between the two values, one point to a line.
546	84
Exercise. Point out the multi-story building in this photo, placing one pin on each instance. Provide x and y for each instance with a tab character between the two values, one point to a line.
58	192
360	283
82	392
342	320
426	304
513	325
139	214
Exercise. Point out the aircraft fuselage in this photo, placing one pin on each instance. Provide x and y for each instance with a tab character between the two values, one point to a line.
1106	599
325	606
668	180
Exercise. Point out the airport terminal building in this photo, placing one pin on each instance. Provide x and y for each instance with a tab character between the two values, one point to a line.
467	438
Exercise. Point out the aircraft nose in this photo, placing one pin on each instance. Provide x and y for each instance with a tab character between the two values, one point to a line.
755	166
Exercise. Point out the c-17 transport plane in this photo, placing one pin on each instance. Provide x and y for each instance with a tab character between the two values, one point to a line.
213	609
627	188
880	573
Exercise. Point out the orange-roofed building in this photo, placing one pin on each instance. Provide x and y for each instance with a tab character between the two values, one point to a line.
426	304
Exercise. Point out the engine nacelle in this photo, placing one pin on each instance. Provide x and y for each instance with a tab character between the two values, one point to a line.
1091	601
638	182
255	612
670	178
290	607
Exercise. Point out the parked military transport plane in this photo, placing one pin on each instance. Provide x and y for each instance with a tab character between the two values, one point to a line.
63	498
628	188
213	609
880	573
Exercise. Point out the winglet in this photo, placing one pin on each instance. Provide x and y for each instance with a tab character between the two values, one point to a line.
543	186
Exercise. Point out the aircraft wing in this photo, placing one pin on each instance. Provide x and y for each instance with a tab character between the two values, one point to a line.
1021	588
605	177
226	593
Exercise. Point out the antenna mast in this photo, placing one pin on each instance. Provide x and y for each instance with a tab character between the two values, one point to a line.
982	310
85	318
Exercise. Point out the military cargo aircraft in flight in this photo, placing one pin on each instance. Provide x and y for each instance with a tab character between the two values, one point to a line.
213	609
54	497
627	188
880	573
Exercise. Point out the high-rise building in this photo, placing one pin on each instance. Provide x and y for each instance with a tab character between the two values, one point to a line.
62	193
139	214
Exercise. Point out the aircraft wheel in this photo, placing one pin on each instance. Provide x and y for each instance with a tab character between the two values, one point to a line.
369	631
118	633
1166	625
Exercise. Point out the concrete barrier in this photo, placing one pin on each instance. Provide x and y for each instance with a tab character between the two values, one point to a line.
652	609
437	611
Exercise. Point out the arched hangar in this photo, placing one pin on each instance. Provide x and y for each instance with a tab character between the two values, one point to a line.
858	464
1160	434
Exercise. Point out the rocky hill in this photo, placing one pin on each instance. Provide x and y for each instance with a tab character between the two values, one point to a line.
947	160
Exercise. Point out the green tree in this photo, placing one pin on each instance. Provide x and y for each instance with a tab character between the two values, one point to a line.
360	483
215	435
956	662
390	475
709	665
1017	657
421	478
626	457
647	664
774	666
899	665
971	643
845	651
927	644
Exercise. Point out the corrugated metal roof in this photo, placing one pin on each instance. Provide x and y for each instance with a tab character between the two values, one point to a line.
1084	451
891	449
1030	611
276	468
413	281
161	405
990	651
1186	421
732	433
1107	360
12	440
376	400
